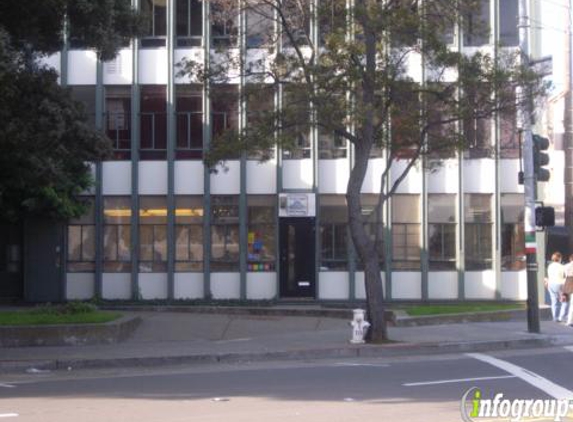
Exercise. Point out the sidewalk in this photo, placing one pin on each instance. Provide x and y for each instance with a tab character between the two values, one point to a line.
177	337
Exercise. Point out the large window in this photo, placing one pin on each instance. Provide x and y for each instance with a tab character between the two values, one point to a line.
295	123
331	19
296	29
261	119
155	11
188	233
330	143
118	120
477	134
477	25
189	23
85	95
189	105
225	233
405	120
261	248
374	227
406	232
152	234
260	25
224	112
512	232
442	231
81	242
508	22
478	231
509	141
153	123
117	234
333	233
225	24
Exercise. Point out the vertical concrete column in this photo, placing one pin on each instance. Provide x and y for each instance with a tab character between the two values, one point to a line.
243	214
460	247
170	150
98	202
206	144
497	223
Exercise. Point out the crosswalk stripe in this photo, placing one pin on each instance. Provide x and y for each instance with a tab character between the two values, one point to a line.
549	387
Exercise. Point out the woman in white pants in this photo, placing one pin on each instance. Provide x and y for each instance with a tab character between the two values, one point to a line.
555	280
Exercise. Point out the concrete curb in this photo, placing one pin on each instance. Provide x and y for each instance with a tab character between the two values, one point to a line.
348	351
68	335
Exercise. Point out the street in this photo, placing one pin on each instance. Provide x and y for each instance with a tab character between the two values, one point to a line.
421	388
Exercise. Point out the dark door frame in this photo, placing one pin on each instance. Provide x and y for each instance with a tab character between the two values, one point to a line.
297	254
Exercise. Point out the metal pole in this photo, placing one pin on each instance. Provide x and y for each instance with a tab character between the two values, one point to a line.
529	179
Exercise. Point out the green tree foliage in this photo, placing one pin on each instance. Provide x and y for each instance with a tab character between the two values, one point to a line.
356	78
46	141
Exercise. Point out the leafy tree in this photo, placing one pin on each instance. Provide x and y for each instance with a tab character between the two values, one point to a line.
352	79
46	141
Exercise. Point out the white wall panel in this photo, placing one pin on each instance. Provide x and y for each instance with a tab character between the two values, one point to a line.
414	66
333	176
153	177
442	285
228	180
54	61
226	285
116	286
333	285
413	181
189	177
297	174
261	177
82	67
153	285
480	285
116	178
119	70
188	286
479	175
371	182
508	182
360	289
406	285
444	178
261	286
195	54
80	286
153	66
514	285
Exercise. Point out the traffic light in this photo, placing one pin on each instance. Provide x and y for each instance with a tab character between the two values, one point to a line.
540	158
544	216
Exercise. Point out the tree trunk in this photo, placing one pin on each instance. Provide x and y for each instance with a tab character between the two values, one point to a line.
365	247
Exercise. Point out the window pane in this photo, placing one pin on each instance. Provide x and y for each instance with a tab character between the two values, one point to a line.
406	208
477	26
260	25
477	208
508	22
88	243
74	243
441	208
512	232
117	210
146	243
110	243
152	210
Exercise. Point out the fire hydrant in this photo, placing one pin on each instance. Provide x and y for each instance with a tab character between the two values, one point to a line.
359	327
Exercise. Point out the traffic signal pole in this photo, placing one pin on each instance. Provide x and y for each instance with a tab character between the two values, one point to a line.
529	178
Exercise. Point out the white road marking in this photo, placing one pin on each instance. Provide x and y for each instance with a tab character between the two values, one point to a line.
415	384
9	415
379	365
545	385
7	386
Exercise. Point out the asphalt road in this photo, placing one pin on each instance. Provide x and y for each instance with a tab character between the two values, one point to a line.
423	388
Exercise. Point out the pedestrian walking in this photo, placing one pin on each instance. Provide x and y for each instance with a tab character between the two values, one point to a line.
555	281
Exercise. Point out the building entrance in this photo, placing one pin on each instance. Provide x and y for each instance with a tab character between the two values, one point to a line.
297	257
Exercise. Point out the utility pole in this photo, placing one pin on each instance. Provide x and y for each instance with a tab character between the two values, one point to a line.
529	178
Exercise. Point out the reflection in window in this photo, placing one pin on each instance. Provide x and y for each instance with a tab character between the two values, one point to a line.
508	22
189	23
406	224
333	233
224	114
261	255
478	231
295	123
225	24
477	26
118	120
189	111
188	233
224	233
509	140
117	234
405	120
260	25
477	135
330	143
261	119
152	234
331	19
81	242
153	122
374	227
85	95
155	13
442	231
512	232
